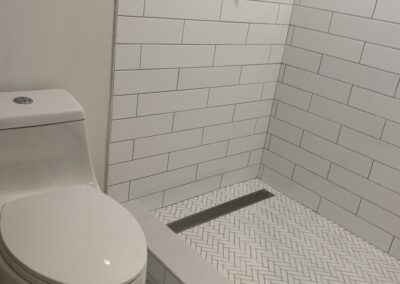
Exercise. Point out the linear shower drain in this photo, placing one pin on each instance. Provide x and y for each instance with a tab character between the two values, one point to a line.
219	210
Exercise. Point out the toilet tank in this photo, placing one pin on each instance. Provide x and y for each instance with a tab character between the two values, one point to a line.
43	143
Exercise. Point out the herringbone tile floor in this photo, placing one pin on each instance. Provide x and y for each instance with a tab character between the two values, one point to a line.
279	241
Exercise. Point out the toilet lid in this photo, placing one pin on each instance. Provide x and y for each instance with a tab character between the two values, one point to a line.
73	236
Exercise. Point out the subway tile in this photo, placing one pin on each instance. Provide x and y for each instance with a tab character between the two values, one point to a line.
276	54
245	144
241	54
299	156
262	124
311	18
366	77
308	121
127	171
386	176
268	92
379	32
301	58
314	83
125	129
148	30
380	217
355	7
160	182
222	165
395	248
228	131
249	11
120	152
391	133
202	117
152	201
267	34
326	189
375	103
190	190
351	117
337	154
127	56
173	56
155	103
184	9
252	110
119	192
291	189
197	155
277	163
203	32
240	175
167	143
285	12
381	57
370	147
293	96
328	44
365	188
208	77
387	10
285	131
255	157
142	81
130	7
356	225
124	106
259	73
235	94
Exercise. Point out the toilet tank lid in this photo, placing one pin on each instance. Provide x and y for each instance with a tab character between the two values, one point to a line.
38	107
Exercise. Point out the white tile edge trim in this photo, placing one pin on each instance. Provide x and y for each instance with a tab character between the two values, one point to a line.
177	257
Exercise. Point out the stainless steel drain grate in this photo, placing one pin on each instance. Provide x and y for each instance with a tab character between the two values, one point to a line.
219	210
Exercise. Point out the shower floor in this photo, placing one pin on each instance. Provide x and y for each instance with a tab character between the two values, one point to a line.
279	241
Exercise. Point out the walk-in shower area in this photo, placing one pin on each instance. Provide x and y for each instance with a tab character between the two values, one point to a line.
263	134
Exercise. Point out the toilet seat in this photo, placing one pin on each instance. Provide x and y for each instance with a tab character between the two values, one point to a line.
78	236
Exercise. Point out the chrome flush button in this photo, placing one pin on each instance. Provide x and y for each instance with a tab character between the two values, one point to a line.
23	100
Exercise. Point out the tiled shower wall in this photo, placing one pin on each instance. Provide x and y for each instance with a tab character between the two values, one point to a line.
334	133
193	87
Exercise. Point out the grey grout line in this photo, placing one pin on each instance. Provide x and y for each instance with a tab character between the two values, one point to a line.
247	34
220	11
362	53
358	207
383	130
370	170
391	244
374	10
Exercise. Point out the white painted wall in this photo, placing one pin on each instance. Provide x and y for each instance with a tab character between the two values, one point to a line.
61	44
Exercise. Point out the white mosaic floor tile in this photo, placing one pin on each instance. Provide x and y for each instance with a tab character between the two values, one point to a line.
279	241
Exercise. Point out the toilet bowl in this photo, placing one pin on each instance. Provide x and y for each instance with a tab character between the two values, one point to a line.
56	225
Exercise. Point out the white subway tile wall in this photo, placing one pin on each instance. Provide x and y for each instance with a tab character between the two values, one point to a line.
194	82
335	125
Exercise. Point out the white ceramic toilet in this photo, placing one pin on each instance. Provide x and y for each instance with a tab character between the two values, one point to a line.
56	225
